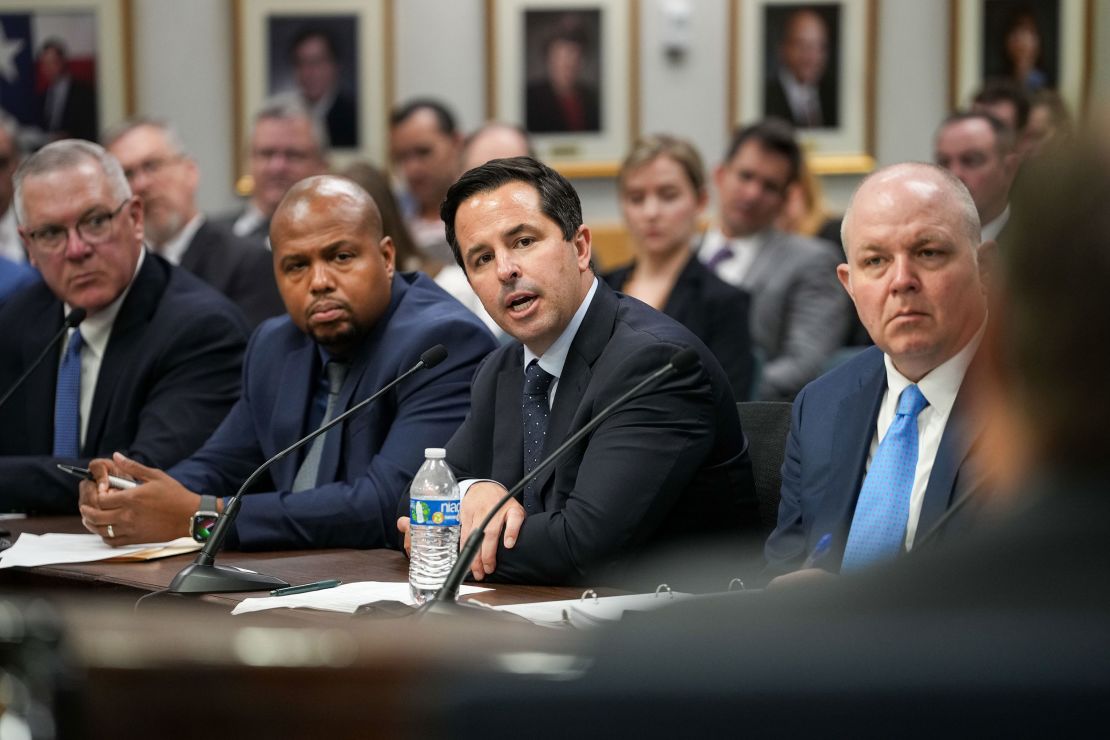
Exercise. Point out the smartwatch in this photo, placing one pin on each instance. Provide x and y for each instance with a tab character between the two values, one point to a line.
204	521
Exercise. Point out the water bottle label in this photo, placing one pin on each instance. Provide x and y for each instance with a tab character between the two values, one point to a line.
434	512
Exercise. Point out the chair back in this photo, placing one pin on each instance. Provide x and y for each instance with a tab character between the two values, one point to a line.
766	424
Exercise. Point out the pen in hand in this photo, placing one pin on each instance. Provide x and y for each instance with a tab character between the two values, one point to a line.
305	588
819	551
84	473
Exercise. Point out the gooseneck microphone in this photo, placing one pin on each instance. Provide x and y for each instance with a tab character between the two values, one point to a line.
682	361
203	576
75	317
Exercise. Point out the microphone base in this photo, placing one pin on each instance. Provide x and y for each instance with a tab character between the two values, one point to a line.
213	579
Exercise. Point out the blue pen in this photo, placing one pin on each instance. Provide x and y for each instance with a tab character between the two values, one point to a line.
820	551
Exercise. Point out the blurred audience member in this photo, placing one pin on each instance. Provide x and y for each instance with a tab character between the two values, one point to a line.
286	145
979	150
11	246
377	183
799	312
161	173
495	140
663	194
1023	50
69	108
1049	122
1008	102
316	67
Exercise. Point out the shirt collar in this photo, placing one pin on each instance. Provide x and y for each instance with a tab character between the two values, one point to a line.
941	384
556	355
174	249
990	231
96	329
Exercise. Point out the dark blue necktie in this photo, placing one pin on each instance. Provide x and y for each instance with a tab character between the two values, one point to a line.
67	400
305	479
537	381
879	525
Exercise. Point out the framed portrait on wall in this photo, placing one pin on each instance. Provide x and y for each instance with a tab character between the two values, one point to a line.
565	71
810	63
331	55
1038	44
65	67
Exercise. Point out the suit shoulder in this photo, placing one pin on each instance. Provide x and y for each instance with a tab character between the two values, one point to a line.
848	375
189	299
427	308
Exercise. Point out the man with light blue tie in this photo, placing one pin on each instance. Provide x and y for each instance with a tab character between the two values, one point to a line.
879	448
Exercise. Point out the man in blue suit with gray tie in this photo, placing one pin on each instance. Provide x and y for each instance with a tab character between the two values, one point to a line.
354	325
879	448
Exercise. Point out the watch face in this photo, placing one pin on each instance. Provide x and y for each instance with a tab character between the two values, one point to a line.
203	524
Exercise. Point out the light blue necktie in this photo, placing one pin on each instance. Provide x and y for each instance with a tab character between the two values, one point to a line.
879	525
67	400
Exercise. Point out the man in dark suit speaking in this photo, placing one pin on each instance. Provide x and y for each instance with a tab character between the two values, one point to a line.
354	325
671	463
166	178
153	368
879	448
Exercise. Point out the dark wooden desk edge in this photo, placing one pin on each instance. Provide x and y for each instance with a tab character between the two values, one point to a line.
300	566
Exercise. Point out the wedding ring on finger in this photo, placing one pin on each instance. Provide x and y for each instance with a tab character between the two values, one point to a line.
111	532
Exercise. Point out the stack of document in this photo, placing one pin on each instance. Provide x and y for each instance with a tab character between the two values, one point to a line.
31	550
590	611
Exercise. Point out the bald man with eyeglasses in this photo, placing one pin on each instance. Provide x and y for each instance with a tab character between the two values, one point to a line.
152	369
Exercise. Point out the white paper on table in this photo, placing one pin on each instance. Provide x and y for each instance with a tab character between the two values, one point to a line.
31	550
344	598
590	612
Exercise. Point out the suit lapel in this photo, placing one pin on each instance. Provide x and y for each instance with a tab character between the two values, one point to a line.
288	423
854	429
588	344
960	434
124	351
508	432
40	387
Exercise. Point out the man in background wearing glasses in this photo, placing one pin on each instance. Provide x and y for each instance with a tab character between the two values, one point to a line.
166	178
153	368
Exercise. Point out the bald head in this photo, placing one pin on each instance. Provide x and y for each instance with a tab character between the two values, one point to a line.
333	266
889	185
340	196
495	141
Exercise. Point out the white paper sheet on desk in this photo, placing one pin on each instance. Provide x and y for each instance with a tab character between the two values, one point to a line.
31	550
590	612
344	598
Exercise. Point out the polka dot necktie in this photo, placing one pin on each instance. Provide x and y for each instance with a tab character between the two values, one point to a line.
879	525
537	381
67	400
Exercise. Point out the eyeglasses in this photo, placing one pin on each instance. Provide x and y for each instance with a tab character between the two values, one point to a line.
295	156
94	228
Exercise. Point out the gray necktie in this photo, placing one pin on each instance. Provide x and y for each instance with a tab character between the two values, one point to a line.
310	468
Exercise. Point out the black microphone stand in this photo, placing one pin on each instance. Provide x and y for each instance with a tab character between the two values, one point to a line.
75	317
203	576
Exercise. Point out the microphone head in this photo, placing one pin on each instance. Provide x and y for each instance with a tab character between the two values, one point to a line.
685	359
75	317
434	356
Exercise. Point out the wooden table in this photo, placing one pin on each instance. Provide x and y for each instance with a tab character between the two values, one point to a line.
301	566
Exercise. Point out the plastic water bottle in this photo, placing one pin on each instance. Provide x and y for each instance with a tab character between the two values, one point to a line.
434	522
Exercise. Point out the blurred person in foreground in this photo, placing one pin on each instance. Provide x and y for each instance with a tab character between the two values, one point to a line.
663	194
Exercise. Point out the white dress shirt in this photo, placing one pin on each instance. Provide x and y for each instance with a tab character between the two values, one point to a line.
991	230
939	388
733	270
804	100
95	330
174	249
248	221
11	246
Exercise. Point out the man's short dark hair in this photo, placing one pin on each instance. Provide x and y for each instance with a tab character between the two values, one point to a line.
774	135
314	32
445	120
1003	136
558	199
1006	91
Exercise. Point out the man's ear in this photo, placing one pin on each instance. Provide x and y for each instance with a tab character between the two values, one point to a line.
845	277
583	246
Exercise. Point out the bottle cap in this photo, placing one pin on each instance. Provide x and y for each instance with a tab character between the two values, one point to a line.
435	453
